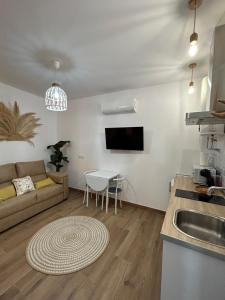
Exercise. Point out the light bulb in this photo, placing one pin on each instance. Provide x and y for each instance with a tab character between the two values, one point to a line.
193	44
191	88
193	50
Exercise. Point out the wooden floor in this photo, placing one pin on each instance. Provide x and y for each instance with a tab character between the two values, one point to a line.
130	268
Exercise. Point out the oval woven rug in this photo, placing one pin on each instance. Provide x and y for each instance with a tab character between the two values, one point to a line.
67	245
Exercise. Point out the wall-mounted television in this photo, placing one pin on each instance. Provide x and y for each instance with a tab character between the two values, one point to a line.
125	138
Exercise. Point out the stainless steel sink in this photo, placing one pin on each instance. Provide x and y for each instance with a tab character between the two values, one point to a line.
201	226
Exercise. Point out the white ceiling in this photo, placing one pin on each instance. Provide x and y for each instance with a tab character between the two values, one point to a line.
105	45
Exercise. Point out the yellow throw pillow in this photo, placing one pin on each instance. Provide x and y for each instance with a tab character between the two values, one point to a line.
7	192
43	183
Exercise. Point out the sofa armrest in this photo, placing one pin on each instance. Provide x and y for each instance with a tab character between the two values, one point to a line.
61	178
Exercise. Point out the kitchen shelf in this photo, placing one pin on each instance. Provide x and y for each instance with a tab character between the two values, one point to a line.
212	133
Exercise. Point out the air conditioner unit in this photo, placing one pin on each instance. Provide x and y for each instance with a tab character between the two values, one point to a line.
129	106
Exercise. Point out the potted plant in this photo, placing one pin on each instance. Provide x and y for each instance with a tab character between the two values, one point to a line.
58	158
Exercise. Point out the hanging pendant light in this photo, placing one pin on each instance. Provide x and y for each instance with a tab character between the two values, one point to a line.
191	88
193	49
55	97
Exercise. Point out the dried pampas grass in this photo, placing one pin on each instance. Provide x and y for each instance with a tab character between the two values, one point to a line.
15	126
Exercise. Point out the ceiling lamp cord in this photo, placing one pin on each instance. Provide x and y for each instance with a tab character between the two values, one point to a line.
193	49
195	15
55	97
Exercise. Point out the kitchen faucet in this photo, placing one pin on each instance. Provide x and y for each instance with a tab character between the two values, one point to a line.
214	188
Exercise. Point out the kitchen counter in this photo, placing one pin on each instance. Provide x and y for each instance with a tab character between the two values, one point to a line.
170	233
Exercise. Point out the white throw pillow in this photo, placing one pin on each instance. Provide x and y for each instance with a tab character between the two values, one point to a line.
23	185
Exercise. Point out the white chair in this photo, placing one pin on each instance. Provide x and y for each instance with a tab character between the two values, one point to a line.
115	189
87	190
95	185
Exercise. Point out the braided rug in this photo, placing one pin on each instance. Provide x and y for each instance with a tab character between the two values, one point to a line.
67	245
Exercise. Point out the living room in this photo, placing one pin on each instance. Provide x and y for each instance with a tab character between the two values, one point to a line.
95	100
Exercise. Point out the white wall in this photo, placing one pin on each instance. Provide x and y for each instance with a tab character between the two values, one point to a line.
216	157
170	146
12	151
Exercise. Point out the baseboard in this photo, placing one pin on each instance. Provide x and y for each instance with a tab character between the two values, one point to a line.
162	212
129	203
76	189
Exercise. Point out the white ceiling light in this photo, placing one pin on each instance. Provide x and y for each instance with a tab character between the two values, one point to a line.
191	88
55	97
193	49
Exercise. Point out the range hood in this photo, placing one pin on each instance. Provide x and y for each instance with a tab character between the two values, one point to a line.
202	118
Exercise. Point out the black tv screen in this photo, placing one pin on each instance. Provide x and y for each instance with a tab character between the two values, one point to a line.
124	138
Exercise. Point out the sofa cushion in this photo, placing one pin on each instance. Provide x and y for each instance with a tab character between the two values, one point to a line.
37	178
7	173
15	204
7	183
43	183
7	192
35	169
49	191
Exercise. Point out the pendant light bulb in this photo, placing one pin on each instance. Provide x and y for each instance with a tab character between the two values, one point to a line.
191	88
193	50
